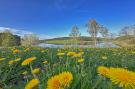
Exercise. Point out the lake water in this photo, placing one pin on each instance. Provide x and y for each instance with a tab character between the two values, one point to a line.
100	45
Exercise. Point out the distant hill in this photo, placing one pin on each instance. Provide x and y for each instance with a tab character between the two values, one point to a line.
125	41
84	38
68	40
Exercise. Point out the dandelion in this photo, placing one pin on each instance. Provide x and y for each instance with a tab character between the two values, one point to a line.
66	78
27	49
78	54
15	51
104	57
24	73
103	70
11	62
1	59
60	81
33	84
122	77
45	62
119	76
60	54
18	59
54	83
71	53
27	61
80	60
42	51
36	71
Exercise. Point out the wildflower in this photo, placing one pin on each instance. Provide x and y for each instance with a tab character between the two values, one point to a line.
119	76
27	49
36	71
54	83
80	60
71	53
103	70
133	52
60	54
18	59
60	81
32	84
11	62
27	61
104	57
66	78
24	73
78	54
42	51
15	51
45	62
1	59
122	77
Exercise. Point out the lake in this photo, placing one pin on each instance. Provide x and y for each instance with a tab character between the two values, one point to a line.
100	45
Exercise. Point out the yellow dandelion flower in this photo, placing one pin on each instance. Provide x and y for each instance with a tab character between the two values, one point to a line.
80	60
27	61
60	54
32	84
54	83
45	62
71	53
24	73
60	81
36	71
27	49
103	70
15	51
104	57
78	54
1	59
11	62
18	59
66	78
122	77
42	51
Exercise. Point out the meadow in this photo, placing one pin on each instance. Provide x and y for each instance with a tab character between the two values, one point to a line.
67	68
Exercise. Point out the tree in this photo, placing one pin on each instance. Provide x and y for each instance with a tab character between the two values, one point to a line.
113	35
75	33
93	29
104	32
30	40
8	39
133	29
125	31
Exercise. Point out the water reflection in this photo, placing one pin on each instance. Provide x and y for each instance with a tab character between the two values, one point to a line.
101	45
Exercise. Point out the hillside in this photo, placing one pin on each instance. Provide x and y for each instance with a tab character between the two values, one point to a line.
68	40
125	41
84	38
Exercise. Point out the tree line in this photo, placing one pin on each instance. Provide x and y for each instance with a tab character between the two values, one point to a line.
93	28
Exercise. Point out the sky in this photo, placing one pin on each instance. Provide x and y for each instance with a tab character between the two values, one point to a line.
55	18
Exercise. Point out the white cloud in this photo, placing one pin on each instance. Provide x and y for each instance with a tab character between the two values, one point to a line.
23	32
15	31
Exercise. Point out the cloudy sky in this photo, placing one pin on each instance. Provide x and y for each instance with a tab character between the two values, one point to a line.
53	18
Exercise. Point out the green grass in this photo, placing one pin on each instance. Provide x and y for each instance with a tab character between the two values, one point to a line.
85	75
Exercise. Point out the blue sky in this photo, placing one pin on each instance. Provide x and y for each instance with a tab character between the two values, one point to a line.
56	17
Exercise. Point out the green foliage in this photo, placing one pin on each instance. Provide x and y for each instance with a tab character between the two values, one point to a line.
29	40
8	39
